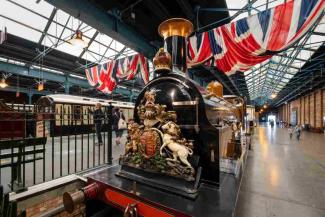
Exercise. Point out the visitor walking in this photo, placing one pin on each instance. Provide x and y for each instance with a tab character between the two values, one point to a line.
290	130
298	131
98	117
119	124
272	123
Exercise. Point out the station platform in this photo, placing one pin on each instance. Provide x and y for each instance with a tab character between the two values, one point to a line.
283	177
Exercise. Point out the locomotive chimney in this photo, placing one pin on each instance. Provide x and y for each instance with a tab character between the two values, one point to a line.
175	31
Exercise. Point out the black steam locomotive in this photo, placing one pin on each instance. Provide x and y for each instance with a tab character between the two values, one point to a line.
194	124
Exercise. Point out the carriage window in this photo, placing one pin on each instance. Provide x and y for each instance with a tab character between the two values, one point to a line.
44	109
77	111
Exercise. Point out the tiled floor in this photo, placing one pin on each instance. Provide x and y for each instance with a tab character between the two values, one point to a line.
283	177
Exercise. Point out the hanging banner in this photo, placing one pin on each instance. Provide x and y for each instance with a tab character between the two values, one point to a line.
239	45
106	76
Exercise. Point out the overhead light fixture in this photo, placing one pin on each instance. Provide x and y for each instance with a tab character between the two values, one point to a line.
40	86
77	40
273	95
265	106
133	15
3	83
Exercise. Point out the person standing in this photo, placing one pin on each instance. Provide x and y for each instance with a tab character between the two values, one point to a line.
119	124
290	130
298	131
98	118
272	123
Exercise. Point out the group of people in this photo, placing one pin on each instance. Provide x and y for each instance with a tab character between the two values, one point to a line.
296	130
118	123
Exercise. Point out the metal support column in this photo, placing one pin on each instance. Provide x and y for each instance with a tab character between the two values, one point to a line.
109	133
67	85
30	95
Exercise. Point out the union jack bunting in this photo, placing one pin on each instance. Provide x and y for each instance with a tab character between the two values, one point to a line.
239	45
106	76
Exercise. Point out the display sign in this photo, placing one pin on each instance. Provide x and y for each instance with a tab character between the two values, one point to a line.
40	128
250	111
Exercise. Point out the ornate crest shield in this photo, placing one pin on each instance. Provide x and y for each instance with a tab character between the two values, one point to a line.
150	141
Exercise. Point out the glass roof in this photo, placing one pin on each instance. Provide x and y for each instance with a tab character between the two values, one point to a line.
272	75
236	6
28	19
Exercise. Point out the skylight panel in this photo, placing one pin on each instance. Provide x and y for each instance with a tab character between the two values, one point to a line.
235	4
22	15
49	41
317	38
298	64
90	33
117	46
274	3
56	30
28	19
305	54
321	26
41	7
130	53
97	48
240	16
89	57
288	76
104	39
110	53
69	49
247	72
20	30
260	5
62	17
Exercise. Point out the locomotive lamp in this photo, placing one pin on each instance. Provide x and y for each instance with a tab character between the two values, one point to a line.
3	83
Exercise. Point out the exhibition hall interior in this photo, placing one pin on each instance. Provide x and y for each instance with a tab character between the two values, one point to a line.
151	108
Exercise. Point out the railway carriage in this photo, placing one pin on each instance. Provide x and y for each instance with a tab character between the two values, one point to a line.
67	114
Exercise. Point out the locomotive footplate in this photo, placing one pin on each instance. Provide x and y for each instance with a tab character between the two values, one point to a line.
122	193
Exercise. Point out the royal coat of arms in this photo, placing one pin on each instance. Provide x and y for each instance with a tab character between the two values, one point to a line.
155	144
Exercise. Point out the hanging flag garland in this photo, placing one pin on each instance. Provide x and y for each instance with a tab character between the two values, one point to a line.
106	76
239	45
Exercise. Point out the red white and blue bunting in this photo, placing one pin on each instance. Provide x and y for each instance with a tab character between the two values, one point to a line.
239	45
106	76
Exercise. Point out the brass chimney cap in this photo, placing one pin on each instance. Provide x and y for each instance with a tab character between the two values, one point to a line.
175	26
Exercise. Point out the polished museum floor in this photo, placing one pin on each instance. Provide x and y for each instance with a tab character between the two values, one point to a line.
283	177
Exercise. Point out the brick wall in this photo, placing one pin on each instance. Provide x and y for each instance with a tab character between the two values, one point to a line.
43	198
48	205
310	110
